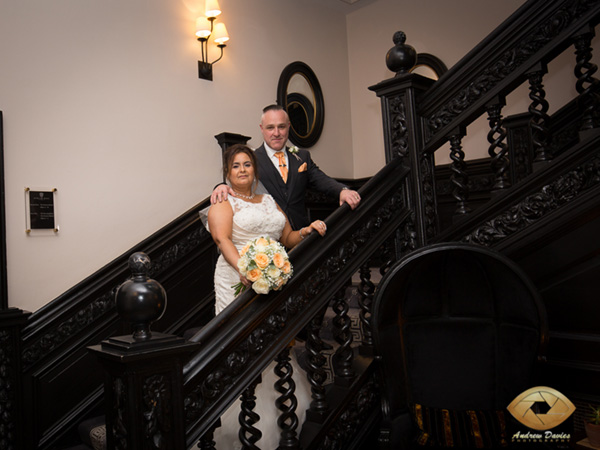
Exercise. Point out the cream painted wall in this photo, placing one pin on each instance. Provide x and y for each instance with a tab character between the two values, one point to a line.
101	100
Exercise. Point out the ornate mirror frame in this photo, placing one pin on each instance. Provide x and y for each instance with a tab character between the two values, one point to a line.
306	115
435	64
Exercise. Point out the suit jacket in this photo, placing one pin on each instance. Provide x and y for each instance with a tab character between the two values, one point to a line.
290	196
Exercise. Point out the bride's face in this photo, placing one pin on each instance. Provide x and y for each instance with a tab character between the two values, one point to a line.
241	173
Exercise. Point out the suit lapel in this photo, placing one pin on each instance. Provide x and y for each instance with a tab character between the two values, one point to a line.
294	165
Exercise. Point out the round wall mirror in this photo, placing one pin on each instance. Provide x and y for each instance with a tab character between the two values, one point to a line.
299	92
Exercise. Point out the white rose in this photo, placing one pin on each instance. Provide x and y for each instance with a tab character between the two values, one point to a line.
273	272
261	286
242	265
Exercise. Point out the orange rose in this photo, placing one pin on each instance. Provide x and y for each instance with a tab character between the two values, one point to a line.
262	242
278	260
278	284
286	267
244	250
253	274
262	260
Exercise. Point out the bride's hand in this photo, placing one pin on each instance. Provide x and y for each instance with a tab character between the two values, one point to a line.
318	225
245	281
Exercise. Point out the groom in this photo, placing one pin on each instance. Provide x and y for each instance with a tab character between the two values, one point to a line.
286	175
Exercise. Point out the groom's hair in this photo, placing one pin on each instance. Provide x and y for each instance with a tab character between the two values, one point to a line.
273	107
229	155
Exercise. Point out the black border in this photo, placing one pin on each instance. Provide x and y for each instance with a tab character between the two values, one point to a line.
3	260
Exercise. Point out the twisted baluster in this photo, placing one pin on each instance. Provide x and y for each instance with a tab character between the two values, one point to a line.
366	291
459	177
343	336
286	402
206	441
587	85
316	374
498	148
249	434
388	254
539	117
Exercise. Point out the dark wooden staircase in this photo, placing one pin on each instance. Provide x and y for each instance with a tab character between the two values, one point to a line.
536	199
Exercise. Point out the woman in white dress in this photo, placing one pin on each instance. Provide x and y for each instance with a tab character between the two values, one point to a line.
232	224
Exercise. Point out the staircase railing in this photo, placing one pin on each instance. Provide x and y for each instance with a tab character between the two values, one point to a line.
420	116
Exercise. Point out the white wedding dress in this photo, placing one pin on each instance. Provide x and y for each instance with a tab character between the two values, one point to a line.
250	221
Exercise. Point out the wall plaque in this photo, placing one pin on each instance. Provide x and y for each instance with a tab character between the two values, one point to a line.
40	206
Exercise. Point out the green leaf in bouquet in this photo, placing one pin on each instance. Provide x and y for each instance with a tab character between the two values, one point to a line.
239	288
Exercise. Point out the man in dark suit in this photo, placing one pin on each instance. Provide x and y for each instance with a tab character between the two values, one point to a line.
300	171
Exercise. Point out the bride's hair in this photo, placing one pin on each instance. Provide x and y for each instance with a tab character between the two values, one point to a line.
229	155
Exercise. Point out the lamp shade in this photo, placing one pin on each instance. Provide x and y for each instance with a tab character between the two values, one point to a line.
221	35
202	27
212	8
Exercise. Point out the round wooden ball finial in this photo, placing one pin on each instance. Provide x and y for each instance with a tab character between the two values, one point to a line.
401	58
140	300
139	264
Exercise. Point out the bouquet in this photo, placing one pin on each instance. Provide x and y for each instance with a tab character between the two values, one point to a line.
265	263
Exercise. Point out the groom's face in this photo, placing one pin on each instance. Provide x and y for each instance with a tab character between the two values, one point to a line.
275	127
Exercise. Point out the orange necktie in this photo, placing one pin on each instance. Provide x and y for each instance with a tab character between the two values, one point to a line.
282	167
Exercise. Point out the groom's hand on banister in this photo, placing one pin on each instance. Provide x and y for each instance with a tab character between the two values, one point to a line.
349	196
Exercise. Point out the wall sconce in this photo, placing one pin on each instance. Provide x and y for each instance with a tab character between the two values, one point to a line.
204	30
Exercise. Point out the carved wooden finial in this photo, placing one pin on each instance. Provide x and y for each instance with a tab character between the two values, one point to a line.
402	57
140	300
399	37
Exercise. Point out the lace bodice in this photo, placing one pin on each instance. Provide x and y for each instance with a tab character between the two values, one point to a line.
252	220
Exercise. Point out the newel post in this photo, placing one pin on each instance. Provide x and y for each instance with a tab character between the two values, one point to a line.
143	388
403	133
13	419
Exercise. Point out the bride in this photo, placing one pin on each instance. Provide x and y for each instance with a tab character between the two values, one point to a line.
232	225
